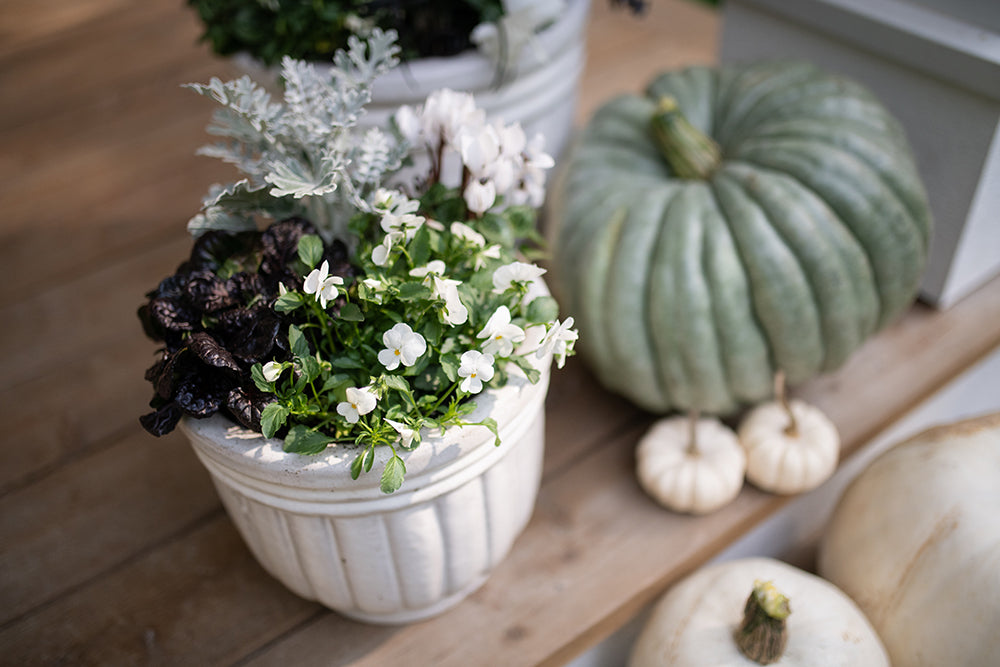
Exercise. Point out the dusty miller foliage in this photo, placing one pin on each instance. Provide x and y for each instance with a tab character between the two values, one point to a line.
306	156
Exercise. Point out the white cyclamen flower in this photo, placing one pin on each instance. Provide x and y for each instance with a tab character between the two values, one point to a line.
360	401
272	370
407	435
476	368
515	272
446	114
559	341
500	334
480	194
402	345
320	283
408	123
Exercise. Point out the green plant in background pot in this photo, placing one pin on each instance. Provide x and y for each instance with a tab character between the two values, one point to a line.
378	323
522	59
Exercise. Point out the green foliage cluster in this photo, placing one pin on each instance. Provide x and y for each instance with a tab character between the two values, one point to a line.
313	30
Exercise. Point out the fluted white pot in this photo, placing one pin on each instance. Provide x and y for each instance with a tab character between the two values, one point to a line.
371	556
540	91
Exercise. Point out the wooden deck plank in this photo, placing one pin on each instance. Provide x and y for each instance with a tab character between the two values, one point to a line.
114	545
596	551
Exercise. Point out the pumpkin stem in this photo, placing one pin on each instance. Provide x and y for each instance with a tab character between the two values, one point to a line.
692	448
762	635
689	151
792	429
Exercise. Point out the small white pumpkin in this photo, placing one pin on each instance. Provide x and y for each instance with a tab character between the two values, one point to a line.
915	540
706	618
791	446
690	465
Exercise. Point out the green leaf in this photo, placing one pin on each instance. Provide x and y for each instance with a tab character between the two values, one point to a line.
310	367
542	309
272	418
298	342
369	459
303	440
396	382
350	312
288	302
310	250
392	475
420	247
335	381
450	364
257	373
413	291
491	424
356	465
346	363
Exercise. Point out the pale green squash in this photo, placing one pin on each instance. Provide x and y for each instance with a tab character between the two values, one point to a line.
694	280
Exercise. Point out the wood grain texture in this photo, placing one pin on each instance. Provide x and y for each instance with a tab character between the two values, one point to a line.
114	548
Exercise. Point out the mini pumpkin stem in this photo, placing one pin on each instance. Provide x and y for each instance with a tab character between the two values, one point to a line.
780	392
762	634
690	152
692	448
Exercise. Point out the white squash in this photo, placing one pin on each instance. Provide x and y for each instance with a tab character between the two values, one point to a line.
915	540
690	465
699	621
789	454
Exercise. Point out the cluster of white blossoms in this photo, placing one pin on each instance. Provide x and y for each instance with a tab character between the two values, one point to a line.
498	160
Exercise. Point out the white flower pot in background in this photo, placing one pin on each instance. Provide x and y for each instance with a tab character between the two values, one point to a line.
540	91
385	558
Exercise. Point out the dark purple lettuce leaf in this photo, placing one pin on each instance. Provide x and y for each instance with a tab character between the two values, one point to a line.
210	352
162	421
167	313
245	404
249	333
201	395
207	293
213	249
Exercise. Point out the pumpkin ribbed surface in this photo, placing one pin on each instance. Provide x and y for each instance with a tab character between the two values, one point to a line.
809	235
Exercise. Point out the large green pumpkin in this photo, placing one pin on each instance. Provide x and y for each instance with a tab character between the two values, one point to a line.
697	268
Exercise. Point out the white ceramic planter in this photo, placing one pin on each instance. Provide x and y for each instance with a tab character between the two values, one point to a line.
375	557
540	91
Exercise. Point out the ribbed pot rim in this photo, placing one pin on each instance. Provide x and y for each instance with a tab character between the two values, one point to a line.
259	467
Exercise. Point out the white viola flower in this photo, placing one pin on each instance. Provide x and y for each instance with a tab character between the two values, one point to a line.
360	401
515	272
500	334
272	370
406	224
402	346
435	267
320	283
466	233
559	341
376	288
492	252
479	195
455	312
381	252
407	435
475	368
534	336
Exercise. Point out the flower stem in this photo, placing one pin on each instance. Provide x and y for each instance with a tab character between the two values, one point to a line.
781	393
762	634
690	152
